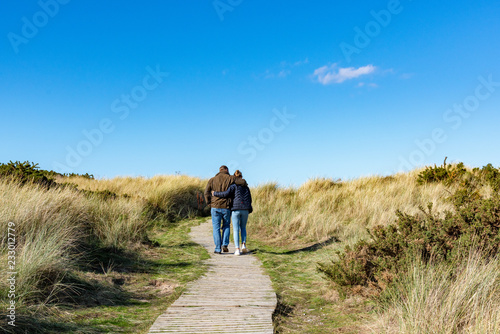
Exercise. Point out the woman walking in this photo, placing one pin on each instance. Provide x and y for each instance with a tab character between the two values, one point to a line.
241	207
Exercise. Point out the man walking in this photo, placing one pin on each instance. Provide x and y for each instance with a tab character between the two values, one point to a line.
220	207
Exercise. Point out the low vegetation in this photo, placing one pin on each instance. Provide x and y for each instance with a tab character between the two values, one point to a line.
474	222
374	254
165	197
381	227
442	297
322	208
61	228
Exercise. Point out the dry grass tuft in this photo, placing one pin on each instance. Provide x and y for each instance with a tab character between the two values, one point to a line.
175	195
460	298
322	208
50	225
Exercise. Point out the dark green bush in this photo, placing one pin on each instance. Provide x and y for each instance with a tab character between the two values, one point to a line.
449	174
86	175
24	172
446	173
475	222
490	175
101	194
376	263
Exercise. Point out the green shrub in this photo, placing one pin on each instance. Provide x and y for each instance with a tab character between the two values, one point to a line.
24	172
490	175
86	175
476	222
101	194
446	173
449	174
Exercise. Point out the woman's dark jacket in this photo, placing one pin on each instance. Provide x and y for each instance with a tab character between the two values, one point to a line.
242	198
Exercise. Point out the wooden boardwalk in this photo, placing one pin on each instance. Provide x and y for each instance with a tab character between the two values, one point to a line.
235	296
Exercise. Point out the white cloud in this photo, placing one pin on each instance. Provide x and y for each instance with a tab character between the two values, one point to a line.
333	74
370	84
301	62
284	69
406	76
281	74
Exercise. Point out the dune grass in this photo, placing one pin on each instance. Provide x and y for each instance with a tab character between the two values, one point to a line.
75	241
322	208
297	228
463	297
61	230
153	278
176	196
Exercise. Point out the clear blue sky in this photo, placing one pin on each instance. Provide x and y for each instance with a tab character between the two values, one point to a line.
283	90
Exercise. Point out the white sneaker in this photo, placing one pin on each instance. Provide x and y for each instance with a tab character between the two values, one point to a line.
244	250
237	252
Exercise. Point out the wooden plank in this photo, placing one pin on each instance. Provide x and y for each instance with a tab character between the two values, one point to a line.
235	296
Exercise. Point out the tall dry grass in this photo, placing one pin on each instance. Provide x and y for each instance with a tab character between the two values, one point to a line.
51	224
461	298
176	195
322	208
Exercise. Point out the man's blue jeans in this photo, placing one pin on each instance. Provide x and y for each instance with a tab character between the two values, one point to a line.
221	216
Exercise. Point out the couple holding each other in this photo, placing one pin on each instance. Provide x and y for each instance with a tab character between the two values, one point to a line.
225	194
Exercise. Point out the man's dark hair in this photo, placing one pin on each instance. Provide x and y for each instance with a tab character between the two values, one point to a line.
223	168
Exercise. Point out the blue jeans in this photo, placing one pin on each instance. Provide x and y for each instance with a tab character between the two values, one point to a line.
240	218
221	216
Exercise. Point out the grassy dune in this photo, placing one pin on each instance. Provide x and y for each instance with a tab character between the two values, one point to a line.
79	237
322	208
297	228
70	241
52	225
176	196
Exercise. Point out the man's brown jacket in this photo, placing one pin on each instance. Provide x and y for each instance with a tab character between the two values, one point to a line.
221	182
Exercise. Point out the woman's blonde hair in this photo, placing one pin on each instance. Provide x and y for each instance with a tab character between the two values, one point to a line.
237	173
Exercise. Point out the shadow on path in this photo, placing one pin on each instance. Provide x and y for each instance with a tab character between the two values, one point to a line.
312	248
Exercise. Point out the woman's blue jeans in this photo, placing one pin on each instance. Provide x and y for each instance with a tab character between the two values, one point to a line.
239	218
